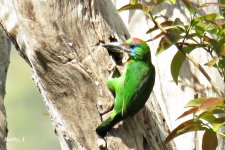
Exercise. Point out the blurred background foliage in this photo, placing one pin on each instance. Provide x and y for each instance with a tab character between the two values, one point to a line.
29	126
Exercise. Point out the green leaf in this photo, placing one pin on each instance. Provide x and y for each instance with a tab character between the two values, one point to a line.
213	16
207	116
173	1
187	126
177	62
209	141
202	23
222	1
212	42
222	49
130	7
195	102
210	117
160	1
171	37
133	2
221	63
192	35
217	123
177	22
163	45
199	30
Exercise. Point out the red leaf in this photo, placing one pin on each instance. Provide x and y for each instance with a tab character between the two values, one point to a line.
209	141
188	112
187	126
210	102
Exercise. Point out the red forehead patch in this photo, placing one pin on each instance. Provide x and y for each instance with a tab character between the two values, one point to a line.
137	40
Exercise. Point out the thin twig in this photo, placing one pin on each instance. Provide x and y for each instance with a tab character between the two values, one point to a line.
196	64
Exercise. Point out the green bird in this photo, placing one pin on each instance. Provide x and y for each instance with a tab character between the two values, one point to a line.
133	87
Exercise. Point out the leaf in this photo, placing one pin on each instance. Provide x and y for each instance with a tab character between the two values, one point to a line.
218	122
133	2
177	62
199	30
210	102
195	102
130	7
173	1
221	63
188	112
177	22
192	35
200	23
189	6
212	62
187	126
209	141
163	44
163	24
171	37
222	50
156	37
211	16
206	116
160	1
212	42
215	110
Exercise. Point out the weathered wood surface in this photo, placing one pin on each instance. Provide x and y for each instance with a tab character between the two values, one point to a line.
4	62
61	42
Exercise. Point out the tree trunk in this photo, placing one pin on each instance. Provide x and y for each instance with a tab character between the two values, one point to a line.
61	42
4	62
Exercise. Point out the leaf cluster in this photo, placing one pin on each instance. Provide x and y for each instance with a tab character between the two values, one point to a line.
204	112
203	32
206	32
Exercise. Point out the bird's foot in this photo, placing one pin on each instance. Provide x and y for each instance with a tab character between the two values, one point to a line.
119	124
101	144
111	66
125	58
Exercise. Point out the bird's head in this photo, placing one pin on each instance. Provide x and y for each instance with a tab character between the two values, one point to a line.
137	49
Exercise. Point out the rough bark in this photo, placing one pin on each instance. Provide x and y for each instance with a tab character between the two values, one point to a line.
4	62
61	42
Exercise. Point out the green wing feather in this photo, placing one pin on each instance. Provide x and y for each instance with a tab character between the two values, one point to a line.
138	85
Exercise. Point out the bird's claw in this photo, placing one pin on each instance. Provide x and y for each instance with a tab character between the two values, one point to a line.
112	66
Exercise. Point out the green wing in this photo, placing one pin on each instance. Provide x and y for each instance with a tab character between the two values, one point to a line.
138	85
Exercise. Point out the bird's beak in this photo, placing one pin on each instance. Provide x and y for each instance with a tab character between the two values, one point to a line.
116	47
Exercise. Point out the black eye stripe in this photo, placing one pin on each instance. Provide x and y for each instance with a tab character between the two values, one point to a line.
132	45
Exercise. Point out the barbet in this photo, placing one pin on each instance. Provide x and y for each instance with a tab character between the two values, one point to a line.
132	89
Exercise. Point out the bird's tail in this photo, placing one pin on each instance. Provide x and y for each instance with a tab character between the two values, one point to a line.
108	124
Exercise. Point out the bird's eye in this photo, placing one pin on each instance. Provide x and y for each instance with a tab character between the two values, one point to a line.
132	45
